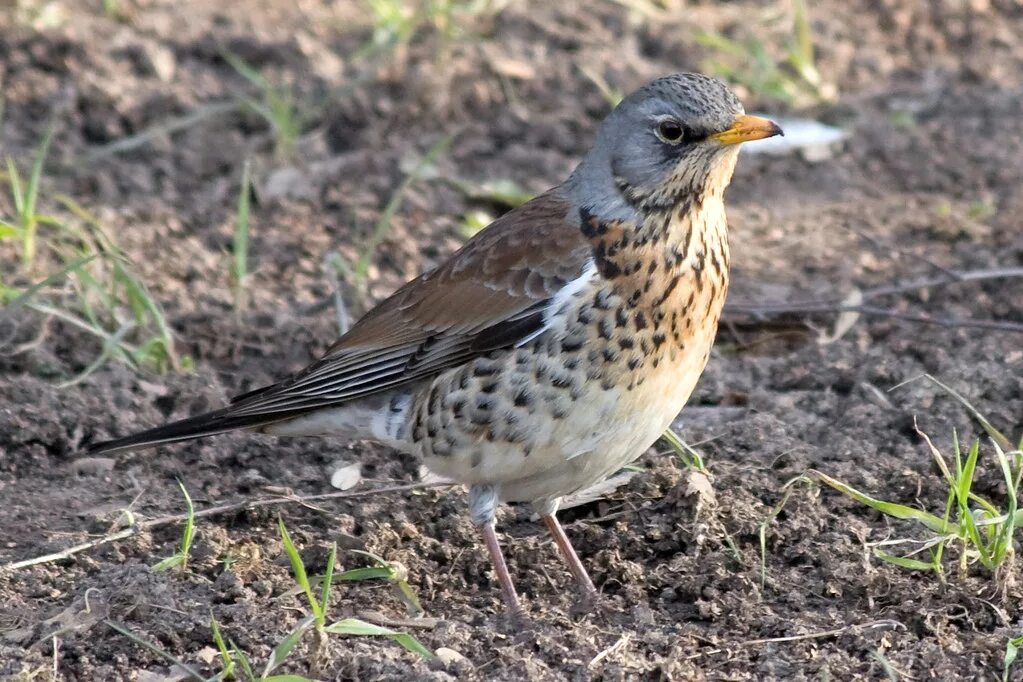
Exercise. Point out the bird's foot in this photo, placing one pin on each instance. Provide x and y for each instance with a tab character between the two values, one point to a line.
589	600
513	619
589	603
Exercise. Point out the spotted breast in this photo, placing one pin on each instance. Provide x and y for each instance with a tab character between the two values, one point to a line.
621	351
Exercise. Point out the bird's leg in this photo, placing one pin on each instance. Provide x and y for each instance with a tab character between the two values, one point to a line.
511	597
571	558
483	509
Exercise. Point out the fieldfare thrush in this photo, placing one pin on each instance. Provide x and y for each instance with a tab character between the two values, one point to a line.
556	345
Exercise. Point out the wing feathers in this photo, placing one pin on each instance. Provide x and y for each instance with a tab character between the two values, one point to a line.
493	293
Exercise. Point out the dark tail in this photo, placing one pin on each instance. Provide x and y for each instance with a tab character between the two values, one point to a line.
209	424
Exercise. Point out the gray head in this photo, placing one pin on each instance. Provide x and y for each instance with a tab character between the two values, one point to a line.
675	137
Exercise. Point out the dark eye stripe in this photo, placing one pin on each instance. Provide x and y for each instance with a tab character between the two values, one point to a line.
696	135
675	132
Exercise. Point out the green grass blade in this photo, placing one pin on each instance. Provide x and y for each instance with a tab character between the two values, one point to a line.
906	562
243	661
377	559
506	193
109	348
281	651
88	286
189	534
360	628
143	303
957	455
612	95
32	190
49	220
50	280
153	648
717	41
1012	648
227	662
84	215
801	52
298	568
17	196
180	559
75	321
241	238
965	482
366	573
967	521
133	296
387	571
985	503
690	457
899	511
245	70
762	530
28	200
286	121
328	577
804	40
991	431
257	108
407	595
383	224
1006	530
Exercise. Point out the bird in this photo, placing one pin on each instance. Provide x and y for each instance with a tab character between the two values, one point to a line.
557	344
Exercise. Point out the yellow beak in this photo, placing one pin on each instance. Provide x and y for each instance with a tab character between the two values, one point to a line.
747	129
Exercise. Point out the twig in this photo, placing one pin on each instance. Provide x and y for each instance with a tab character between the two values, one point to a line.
611	650
166	128
67	553
887	249
825	634
954	277
828	304
922	318
834	304
887	624
378	618
212	511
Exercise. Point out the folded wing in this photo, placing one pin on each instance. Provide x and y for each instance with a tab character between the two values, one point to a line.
491	294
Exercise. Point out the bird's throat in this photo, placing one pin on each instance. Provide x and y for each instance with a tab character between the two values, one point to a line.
671	271
687	241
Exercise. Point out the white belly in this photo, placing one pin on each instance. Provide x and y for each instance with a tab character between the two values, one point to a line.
614	428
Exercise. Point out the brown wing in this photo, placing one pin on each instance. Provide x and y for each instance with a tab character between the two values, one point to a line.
490	294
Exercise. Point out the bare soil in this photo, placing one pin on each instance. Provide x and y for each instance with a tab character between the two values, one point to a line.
931	93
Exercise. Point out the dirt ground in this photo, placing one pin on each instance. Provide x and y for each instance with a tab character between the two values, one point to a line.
932	94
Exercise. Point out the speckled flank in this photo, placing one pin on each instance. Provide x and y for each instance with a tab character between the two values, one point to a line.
616	364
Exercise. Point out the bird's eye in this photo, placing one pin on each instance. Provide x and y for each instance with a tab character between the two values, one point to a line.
670	131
